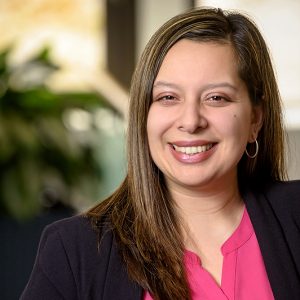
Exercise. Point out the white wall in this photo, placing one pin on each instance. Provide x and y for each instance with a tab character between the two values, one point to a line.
294	154
151	14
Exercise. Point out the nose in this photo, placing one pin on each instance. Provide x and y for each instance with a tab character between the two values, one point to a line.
192	118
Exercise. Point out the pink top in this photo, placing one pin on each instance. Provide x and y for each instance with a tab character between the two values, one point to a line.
243	276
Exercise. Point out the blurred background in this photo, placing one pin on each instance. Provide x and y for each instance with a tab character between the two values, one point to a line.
65	71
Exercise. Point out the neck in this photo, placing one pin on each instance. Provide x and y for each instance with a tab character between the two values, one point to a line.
208	214
206	200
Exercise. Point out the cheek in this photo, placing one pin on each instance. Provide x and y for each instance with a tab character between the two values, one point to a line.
157	124
241	125
154	131
234	125
151	125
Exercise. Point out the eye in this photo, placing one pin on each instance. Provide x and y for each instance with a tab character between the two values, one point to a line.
166	98
217	100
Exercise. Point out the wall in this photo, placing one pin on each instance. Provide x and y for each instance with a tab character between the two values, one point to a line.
152	14
294	154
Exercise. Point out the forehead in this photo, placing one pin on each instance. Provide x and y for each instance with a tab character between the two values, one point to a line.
188	59
185	47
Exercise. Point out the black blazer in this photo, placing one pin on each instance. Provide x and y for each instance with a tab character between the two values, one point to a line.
69	265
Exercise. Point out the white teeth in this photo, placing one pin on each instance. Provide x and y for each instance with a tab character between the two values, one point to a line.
193	150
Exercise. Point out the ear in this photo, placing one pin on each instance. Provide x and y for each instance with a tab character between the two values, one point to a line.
256	122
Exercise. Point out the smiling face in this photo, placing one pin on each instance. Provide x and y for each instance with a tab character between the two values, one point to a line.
201	117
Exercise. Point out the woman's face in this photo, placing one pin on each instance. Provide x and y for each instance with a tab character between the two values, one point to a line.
201	117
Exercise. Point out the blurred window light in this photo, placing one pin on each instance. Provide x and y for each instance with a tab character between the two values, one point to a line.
107	121
28	75
292	117
73	30
77	120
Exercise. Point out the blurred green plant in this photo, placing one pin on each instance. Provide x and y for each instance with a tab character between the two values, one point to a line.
42	161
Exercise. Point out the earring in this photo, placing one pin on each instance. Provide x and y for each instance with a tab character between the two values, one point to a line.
256	150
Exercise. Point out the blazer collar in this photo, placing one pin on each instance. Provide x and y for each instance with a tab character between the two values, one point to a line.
269	228
117	284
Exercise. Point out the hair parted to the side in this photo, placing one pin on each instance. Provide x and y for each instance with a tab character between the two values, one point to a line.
141	212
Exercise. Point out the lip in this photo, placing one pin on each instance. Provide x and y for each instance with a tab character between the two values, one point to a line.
195	158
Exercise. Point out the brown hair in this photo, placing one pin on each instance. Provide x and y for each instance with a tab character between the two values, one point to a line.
141	212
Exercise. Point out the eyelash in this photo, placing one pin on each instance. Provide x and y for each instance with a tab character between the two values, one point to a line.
166	98
219	98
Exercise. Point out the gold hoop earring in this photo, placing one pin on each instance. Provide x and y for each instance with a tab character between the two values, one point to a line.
256	150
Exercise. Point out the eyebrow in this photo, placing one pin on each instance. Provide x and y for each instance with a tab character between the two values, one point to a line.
206	87
165	84
221	84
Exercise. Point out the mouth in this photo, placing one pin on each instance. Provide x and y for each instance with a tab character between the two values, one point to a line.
192	150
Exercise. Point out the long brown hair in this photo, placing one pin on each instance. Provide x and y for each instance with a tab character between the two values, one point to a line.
141	212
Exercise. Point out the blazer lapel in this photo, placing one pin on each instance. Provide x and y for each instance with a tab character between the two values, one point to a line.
117	284
279	263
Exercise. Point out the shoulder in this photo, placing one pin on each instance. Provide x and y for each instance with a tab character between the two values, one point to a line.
76	239
77	261
72	227
276	192
71	232
291	186
280	198
284	193
70	256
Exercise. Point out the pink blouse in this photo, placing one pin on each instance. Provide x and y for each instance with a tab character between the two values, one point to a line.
243	275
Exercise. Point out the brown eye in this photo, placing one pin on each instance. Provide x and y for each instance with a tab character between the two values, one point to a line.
167	97
217	98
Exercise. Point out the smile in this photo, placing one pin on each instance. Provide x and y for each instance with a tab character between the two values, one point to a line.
192	150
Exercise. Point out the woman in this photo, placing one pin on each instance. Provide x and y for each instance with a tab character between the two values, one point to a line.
203	212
